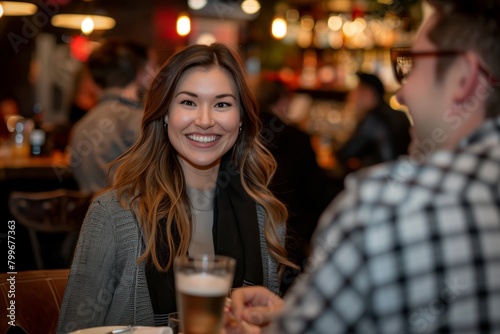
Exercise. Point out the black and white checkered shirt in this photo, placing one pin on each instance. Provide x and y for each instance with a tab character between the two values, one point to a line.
408	248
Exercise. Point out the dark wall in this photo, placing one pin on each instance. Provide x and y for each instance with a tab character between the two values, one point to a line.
16	48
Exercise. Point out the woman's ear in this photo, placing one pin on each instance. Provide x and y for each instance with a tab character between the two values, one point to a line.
165	123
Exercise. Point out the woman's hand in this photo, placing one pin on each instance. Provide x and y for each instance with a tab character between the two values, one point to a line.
251	310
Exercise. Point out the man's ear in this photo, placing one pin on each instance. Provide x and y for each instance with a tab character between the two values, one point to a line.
465	73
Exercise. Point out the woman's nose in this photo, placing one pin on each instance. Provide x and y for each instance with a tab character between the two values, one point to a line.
204	118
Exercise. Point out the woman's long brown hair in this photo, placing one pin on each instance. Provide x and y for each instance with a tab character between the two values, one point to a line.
149	179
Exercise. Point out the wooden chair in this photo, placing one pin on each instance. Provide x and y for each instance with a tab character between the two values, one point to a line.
56	211
38	296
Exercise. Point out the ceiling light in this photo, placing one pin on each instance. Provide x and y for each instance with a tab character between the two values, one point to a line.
278	28
87	26
75	21
14	8
197	4
250	6
83	15
183	25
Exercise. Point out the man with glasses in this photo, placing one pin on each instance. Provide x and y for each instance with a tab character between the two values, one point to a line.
414	246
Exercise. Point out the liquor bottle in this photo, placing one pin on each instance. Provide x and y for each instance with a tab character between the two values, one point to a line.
21	146
37	135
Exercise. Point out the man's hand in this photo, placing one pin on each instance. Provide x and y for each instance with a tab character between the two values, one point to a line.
251	309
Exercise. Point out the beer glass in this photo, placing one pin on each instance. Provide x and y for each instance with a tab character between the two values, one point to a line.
174	322
202	284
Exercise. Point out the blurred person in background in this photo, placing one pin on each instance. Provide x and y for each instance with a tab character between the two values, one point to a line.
84	97
121	70
194	182
413	246
298	182
382	133
85	94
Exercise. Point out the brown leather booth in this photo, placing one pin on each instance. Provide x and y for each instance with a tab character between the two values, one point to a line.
37	295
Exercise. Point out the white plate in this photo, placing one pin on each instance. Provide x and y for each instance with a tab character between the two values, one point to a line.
97	330
107	329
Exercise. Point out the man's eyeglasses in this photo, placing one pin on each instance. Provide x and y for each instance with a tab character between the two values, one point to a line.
402	61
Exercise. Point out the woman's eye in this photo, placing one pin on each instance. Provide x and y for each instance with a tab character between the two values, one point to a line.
222	105
188	103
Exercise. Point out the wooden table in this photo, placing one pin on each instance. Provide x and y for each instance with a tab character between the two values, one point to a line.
54	167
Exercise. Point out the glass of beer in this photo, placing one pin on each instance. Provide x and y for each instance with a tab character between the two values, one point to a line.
202	284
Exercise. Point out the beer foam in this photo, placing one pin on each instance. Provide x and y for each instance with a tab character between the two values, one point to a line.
202	284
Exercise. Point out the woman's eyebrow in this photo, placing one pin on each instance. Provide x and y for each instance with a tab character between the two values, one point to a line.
220	96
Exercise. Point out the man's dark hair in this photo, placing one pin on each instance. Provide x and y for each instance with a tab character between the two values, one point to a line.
373	82
465	25
269	91
116	63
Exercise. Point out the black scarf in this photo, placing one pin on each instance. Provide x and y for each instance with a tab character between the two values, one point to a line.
235	234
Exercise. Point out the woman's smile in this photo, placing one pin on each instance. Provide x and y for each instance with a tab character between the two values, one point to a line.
203	138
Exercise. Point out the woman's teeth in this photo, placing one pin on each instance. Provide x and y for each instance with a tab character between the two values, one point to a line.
203	139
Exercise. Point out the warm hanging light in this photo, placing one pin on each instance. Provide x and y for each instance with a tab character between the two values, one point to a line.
83	17
76	21
278	28
250	7
14	8
183	25
87	25
197	4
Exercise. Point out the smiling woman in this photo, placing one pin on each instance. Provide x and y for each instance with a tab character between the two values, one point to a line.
203	121
194	182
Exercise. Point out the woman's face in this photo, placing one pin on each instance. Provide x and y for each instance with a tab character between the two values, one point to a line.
204	117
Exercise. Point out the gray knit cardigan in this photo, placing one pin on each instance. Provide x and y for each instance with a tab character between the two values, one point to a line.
106	286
